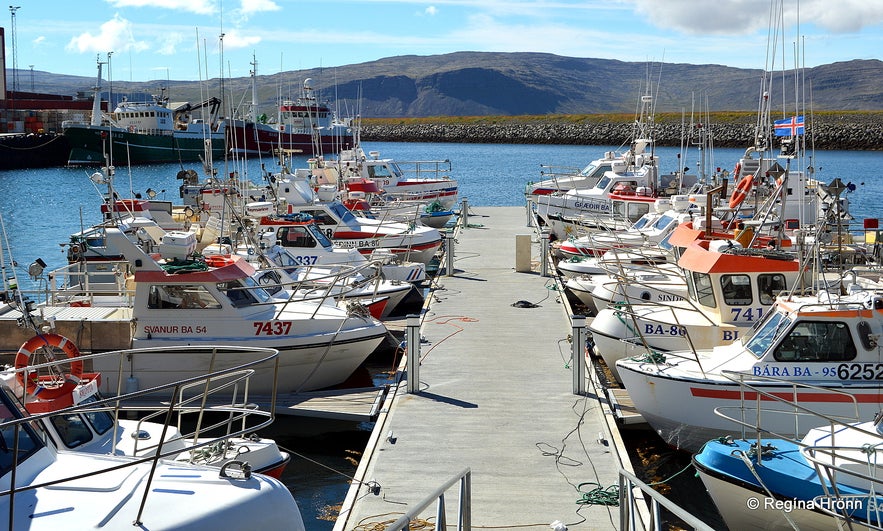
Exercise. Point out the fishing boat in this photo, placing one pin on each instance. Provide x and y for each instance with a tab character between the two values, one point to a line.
649	230
47	376
297	197
828	479
47	487
726	289
146	132
825	340
428	180
200	302
558	180
304	125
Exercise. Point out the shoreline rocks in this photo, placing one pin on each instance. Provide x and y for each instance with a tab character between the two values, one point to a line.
847	132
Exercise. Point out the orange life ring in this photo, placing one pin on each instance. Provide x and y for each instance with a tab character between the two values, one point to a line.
36	385
741	191
218	260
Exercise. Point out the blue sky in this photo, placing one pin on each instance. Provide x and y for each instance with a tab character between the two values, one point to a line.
179	39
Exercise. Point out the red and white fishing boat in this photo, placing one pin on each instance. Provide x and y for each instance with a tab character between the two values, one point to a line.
296	196
303	125
828	341
428	180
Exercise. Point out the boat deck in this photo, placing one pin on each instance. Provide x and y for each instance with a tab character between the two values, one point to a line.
495	395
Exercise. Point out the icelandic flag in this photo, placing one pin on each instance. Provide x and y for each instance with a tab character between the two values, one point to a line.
789	126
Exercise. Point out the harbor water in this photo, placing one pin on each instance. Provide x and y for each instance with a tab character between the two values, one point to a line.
42	207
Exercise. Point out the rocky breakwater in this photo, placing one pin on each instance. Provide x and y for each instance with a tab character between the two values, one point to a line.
827	130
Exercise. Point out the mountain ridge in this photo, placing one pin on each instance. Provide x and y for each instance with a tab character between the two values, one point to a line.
520	83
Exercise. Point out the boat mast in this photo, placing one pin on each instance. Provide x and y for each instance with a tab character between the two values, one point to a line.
96	98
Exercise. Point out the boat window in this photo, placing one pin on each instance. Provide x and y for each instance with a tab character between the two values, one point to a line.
296	237
322	217
27	440
758	339
395	169
186	296
665	243
636	210
641	223
101	421
244	292
72	429
343	213
866	336
736	289
703	289
378	170
816	341
663	221
593	171
769	286
603	183
320	236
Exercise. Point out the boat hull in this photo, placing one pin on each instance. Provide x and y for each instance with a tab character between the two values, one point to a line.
682	410
264	139
744	504
90	143
306	362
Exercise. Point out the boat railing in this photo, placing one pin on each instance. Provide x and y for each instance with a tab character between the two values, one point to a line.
79	284
627	311
320	283
632	506
464	509
164	397
762	397
422	169
852	466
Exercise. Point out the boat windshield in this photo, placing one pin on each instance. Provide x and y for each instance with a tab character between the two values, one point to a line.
244	292
320	236
343	212
14	435
759	339
641	223
73	428
593	170
603	183
663	221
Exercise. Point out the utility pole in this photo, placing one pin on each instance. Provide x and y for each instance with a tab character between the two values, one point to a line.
12	10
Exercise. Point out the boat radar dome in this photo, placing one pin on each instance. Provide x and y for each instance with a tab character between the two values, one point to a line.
308	83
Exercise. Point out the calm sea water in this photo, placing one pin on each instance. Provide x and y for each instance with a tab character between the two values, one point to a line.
42	207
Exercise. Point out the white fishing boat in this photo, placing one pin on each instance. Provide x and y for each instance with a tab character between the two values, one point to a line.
296	195
428	180
649	230
824	340
46	487
185	301
48	376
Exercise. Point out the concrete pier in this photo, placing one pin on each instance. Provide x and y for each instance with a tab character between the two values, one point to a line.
495	395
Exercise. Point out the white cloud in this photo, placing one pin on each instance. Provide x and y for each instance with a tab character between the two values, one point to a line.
114	35
431	11
169	44
739	17
39	40
234	39
200	7
250	7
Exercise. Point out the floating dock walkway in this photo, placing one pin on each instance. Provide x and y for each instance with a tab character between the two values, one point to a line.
496	396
